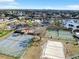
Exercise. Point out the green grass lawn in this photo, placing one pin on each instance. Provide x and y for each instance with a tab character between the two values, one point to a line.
4	32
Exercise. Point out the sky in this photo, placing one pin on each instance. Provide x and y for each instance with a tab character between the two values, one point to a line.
40	4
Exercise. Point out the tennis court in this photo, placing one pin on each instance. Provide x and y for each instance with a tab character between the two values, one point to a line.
61	34
15	45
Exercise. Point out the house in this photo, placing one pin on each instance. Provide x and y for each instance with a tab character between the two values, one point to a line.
11	27
76	33
21	17
1	20
28	31
71	23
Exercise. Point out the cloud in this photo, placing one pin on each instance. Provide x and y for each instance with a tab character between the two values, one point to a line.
12	7
6	1
9	7
65	7
13	4
9	4
73	7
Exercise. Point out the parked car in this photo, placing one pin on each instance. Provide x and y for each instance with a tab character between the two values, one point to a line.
75	33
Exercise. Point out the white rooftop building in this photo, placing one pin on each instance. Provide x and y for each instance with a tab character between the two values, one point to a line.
53	50
1	20
71	23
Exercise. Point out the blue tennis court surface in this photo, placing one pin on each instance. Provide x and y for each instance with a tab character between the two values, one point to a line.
15	45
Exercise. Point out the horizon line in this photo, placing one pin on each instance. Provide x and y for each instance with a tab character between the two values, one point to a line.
36	9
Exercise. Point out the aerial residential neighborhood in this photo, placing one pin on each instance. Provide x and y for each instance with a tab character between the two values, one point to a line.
39	29
38	35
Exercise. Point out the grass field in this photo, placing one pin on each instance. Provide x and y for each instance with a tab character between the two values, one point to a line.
4	32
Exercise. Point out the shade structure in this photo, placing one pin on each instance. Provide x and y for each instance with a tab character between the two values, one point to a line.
53	50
